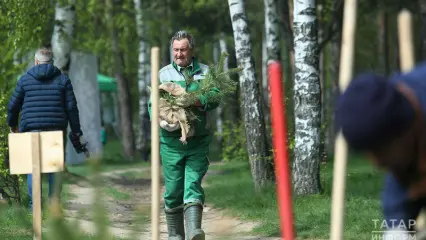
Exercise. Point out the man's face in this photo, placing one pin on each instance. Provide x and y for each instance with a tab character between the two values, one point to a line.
182	54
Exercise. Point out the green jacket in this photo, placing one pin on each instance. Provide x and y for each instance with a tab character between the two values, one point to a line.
171	73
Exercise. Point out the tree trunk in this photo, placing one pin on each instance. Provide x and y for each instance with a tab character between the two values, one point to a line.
258	151
128	141
422	4
144	122
307	99
383	41
265	83
220	112
63	34
291	17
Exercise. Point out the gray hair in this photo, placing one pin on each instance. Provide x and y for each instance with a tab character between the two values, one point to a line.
44	55
179	35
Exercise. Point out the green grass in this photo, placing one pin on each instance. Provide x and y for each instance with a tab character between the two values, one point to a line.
117	195
112	159
312	213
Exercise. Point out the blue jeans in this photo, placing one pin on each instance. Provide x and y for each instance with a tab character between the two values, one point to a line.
51	180
397	207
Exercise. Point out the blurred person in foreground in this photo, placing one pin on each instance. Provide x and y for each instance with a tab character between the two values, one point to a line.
185	165
45	99
386	119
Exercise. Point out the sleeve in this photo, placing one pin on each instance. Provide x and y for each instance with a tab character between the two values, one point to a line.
205	100
15	105
71	108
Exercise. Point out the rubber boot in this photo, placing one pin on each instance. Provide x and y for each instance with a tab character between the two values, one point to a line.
193	217
175	225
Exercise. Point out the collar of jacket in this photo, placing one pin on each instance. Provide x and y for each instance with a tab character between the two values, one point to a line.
195	67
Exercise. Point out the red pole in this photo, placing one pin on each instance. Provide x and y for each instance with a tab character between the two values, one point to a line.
279	133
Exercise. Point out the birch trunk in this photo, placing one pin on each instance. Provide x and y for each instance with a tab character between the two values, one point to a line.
63	34
272	44
123	92
220	112
307	99
265	84
251	106
323	86
144	122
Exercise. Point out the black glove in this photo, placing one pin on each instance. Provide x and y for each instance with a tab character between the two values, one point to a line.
76	143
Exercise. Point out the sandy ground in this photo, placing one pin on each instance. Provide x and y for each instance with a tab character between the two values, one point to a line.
123	222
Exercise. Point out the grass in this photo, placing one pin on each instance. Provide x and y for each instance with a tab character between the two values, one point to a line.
116	194
312	213
112	159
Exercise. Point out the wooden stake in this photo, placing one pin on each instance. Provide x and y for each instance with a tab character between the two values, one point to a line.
341	148
155	146
405	41
36	183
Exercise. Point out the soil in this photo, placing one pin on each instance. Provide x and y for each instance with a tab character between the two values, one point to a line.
135	184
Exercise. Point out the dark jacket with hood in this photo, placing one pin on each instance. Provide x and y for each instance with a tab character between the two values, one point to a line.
45	98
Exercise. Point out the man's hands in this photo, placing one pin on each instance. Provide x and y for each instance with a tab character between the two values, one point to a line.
13	129
169	127
76	142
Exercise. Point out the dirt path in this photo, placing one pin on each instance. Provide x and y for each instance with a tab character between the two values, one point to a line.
134	187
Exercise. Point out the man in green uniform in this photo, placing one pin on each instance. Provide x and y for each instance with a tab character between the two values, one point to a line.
185	165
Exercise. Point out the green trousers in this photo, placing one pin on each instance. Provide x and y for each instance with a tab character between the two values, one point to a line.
184	168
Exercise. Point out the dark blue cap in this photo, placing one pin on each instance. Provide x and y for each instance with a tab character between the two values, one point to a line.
372	111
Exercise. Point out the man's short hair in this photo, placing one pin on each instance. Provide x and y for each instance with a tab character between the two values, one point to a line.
179	35
44	55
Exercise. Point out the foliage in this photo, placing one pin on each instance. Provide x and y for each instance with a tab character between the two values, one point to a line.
232	189
27	22
9	184
216	78
234	142
10	69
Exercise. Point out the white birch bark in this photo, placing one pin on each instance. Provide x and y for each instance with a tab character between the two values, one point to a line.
307	99
62	35
265	84
143	82
257	148
272	33
220	112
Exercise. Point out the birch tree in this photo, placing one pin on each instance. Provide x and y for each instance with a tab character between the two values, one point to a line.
63	34
251	106
272	33
144	123
271	45
307	99
220	112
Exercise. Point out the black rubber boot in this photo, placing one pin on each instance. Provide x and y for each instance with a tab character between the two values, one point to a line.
175	225
193	218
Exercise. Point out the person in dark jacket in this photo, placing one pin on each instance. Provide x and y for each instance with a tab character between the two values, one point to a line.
385	117
45	99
